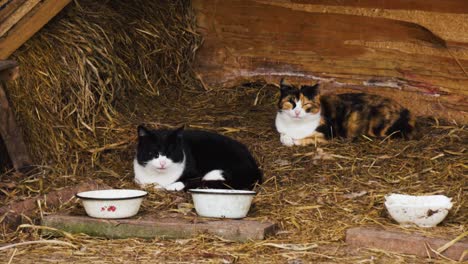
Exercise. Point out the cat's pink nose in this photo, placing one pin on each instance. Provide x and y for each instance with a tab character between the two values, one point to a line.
162	163
297	112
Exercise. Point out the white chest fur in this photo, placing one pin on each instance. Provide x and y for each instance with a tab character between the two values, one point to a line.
297	128
150	175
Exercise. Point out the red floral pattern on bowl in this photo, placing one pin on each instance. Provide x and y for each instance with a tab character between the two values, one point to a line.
110	208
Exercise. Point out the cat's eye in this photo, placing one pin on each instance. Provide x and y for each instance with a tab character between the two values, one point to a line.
311	109
287	105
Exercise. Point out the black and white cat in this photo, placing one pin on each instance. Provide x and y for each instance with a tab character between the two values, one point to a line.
181	159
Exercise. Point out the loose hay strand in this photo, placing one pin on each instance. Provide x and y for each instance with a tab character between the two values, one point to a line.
451	243
12	256
56	242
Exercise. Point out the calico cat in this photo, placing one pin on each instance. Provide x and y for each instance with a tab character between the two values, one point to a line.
306	117
182	159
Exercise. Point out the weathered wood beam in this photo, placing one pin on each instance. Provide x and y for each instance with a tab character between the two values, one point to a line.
9	7
7	65
447	6
9	70
10	132
18	14
248	40
29	25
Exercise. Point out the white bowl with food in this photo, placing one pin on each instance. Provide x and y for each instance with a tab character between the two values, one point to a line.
423	211
112	203
222	203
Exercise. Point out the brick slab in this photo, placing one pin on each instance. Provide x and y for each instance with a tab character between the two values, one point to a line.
150	227
399	242
13	212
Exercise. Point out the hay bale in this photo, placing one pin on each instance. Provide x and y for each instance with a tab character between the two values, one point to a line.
91	65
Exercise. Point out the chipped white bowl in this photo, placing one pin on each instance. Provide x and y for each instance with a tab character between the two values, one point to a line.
423	211
113	203
222	203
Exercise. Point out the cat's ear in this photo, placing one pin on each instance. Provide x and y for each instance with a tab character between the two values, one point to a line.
310	91
179	131
285	87
176	134
282	82
142	131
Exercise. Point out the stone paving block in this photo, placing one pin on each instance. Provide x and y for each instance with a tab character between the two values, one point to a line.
399	242
172	227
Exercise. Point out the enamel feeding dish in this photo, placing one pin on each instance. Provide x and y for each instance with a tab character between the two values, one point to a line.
423	211
222	203
113	203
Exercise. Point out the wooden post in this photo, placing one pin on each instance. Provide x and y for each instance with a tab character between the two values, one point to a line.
9	130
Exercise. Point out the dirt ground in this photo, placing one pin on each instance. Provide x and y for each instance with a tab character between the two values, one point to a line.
313	193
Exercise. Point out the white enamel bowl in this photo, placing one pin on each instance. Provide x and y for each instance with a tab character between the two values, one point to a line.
423	211
113	203
222	203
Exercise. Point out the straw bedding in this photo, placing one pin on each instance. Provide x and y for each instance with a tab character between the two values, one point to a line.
98	70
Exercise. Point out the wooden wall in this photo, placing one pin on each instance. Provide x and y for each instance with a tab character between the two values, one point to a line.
415	51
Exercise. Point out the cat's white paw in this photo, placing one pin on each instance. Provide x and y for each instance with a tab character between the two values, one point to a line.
286	140
214	175
176	186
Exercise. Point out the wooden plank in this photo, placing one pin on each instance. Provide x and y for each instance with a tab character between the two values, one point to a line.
5	162
7	64
13	213
12	135
3	3
248	41
9	7
446	6
9	70
29	25
150	227
399	242
18	14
